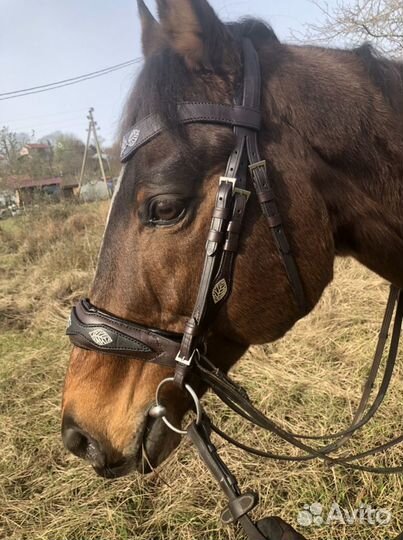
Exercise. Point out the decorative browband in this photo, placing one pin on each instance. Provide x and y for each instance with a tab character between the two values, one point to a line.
212	113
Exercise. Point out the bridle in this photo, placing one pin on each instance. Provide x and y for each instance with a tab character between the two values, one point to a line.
93	329
118	336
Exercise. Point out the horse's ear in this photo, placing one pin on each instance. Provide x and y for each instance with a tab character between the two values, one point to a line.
152	35
193	30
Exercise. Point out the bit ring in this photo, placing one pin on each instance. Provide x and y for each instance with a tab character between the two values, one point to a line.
192	393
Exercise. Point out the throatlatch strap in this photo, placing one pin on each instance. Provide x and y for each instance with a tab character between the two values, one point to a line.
266	197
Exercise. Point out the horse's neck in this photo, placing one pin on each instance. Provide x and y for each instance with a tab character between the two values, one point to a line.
364	192
348	113
368	217
370	229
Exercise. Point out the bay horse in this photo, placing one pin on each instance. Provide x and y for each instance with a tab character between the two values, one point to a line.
332	135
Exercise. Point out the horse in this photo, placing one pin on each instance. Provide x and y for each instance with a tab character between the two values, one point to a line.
332	137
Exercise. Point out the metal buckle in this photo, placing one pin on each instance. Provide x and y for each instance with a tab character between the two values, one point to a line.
228	180
233	181
182	360
258	165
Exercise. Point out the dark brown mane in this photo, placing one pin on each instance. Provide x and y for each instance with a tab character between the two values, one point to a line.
165	80
386	74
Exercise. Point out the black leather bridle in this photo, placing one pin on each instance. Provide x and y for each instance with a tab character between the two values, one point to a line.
93	329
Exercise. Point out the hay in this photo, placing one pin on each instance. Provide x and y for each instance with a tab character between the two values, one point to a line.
309	381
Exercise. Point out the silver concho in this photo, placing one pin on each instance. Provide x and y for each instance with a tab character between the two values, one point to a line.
130	140
220	290
100	337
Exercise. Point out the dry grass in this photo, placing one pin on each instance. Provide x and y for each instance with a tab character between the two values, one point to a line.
309	381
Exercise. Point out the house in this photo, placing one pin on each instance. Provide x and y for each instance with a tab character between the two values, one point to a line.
69	187
36	149
28	189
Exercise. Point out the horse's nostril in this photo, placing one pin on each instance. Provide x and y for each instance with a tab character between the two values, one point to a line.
79	443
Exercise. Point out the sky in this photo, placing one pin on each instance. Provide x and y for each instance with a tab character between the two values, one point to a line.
42	41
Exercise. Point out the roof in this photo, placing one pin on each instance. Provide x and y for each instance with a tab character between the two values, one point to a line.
36	146
69	182
18	182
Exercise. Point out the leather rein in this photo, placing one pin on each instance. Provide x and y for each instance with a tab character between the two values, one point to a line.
93	329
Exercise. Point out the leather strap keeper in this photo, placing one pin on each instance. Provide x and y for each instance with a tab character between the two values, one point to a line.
215	236
222	213
192	328
266	195
274	221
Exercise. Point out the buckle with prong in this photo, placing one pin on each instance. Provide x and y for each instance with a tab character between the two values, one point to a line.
182	359
235	189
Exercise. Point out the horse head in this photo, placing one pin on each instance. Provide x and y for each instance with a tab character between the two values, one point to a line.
152	253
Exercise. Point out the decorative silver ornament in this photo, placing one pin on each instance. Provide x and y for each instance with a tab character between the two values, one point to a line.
133	137
219	291
130	140
100	337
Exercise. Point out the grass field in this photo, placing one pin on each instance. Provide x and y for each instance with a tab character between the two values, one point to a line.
310	381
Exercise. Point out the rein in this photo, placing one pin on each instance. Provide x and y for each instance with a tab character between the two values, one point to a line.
93	329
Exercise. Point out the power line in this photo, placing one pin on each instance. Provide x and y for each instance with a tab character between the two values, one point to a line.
42	116
23	119
123	64
67	82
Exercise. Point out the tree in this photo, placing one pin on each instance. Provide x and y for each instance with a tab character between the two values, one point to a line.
377	21
68	153
113	153
10	147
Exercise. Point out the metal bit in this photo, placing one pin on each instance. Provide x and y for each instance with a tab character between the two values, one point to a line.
158	411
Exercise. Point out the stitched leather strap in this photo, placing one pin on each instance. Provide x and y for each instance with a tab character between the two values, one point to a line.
189	113
93	329
213	248
265	194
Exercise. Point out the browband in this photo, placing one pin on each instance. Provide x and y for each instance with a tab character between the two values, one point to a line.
212	113
93	329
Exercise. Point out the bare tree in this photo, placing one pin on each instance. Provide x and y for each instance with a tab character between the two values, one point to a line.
67	152
10	146
377	21
113	153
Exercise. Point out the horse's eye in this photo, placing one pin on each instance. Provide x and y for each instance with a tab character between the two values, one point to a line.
165	211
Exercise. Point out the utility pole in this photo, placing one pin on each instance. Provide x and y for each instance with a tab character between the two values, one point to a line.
87	144
92	128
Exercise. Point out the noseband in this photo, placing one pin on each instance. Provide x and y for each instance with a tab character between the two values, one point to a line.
93	329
